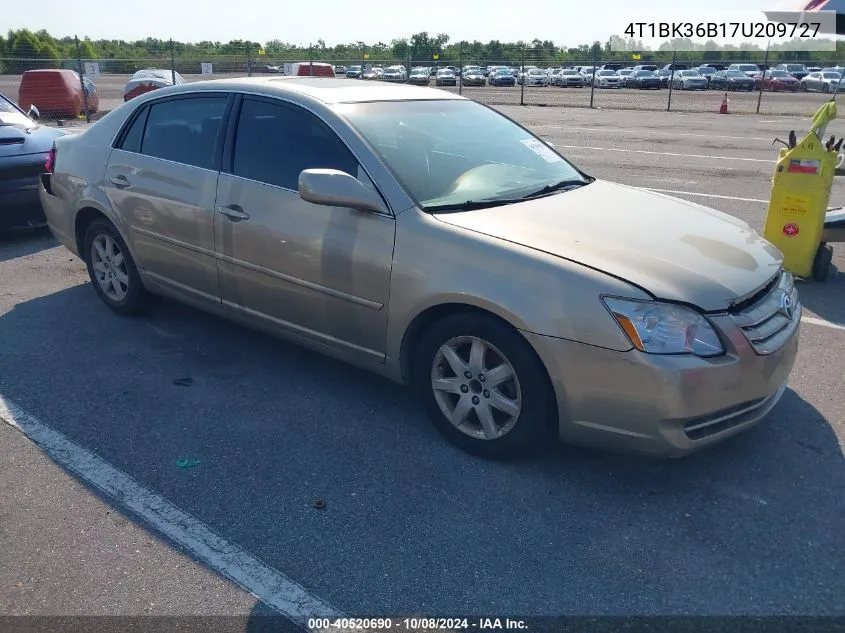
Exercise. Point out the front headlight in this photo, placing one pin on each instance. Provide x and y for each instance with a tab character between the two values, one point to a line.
664	328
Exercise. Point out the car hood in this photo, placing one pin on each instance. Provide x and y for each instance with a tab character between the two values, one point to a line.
16	141
674	249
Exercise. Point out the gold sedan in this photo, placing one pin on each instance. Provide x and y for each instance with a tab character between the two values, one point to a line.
426	237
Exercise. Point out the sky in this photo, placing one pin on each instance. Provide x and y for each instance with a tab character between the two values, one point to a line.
566	23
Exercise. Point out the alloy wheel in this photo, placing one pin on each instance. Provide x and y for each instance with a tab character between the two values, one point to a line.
476	387
109	266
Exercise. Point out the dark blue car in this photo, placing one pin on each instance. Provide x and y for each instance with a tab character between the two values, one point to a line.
502	77
24	147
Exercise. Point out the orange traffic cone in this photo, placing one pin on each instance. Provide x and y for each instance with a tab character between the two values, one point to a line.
724	107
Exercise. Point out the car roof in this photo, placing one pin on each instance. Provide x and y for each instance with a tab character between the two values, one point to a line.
328	90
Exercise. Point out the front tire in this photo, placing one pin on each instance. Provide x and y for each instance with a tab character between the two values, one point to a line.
483	387
112	270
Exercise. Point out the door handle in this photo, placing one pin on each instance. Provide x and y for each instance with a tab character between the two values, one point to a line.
234	212
120	180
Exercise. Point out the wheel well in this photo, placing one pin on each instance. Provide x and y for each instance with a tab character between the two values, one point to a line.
423	320
83	220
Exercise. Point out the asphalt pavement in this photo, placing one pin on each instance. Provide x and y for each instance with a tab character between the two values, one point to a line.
324	479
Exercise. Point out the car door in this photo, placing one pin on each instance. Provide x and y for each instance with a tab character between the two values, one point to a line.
161	181
318	272
812	81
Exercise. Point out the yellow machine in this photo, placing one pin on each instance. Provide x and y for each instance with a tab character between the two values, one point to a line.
800	193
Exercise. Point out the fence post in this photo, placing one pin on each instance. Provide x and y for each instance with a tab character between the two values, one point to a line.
461	68
522	76
81	70
248	59
310	60
408	69
671	78
363	59
593	76
762	77
172	62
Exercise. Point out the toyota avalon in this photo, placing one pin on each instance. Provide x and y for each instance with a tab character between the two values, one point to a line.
426	237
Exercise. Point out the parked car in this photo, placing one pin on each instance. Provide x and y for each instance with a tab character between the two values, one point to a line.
607	79
271	69
57	93
776	80
340	70
689	80
445	77
395	74
473	77
502	77
521	298
569	77
612	66
799	71
353	72
24	149
624	73
820	82
419	76
706	72
535	77
676	66
731	80
652	67
749	69
150	79
643	79
664	75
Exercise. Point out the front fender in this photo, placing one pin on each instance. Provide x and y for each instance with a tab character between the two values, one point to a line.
437	264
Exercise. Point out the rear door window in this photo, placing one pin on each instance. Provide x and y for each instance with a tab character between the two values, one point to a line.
185	130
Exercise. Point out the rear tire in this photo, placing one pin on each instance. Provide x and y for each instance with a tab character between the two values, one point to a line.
486	376
112	270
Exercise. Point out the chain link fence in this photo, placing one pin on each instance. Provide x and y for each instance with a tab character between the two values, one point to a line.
81	85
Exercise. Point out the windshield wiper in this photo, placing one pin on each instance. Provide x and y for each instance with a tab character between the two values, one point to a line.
471	205
558	186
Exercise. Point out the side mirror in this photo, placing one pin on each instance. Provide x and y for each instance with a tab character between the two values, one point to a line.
334	188
33	112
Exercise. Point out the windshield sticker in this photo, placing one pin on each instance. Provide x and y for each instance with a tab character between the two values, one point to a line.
542	150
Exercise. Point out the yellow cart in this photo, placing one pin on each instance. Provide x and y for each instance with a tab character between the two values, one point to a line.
798	221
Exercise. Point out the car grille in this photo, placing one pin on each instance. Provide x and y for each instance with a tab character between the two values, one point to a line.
769	318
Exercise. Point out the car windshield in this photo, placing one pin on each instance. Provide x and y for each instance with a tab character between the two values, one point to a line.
690	73
736	73
831	75
568	72
778	73
706	70
502	71
644	73
606	73
10	115
447	152
536	71
445	72
794	67
748	67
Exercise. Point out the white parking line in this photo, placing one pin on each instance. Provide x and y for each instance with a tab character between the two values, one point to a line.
265	583
822	322
652	133
643	151
704	195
